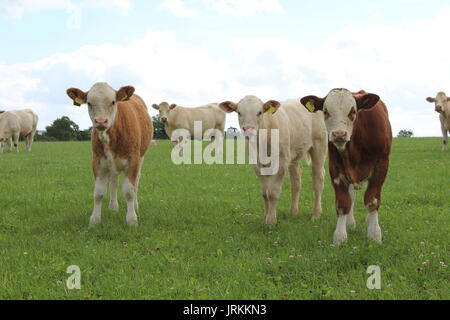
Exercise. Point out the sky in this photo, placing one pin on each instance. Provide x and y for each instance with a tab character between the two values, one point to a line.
194	52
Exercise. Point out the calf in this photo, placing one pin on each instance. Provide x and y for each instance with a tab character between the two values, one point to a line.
301	134
175	117
443	108
16	123
360	138
122	133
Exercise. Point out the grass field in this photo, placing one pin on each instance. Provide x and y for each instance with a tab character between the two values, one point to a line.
202	232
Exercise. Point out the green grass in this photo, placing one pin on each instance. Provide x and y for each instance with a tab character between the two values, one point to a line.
202	232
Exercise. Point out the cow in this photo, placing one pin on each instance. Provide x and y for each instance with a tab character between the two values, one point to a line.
175	117
122	134
442	103
360	141
301	135
16	123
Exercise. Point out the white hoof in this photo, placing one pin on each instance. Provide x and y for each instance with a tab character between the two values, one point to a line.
94	220
114	206
351	223
132	221
339	238
374	233
271	221
317	213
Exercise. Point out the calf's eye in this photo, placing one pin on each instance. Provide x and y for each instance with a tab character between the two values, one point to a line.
352	114
327	114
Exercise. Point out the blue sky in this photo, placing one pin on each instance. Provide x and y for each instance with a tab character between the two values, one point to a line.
193	52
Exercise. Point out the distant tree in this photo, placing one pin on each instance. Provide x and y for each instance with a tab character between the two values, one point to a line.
63	129
158	132
42	136
84	135
405	134
1	111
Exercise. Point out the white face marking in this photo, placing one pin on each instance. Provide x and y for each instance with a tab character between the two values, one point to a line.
102	106
250	112
340	113
442	102
164	110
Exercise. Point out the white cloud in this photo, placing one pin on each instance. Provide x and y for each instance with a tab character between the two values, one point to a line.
237	8
245	8
178	8
15	9
159	66
402	63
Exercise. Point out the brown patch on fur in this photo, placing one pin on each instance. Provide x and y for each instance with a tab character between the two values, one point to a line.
129	138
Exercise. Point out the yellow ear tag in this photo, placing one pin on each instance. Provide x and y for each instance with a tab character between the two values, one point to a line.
272	110
310	106
124	98
79	101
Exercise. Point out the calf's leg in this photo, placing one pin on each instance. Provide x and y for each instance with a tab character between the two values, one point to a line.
295	175
113	183
343	206
9	144
271	189
372	200
129	189
351	223
16	142
318	177
101	182
445	136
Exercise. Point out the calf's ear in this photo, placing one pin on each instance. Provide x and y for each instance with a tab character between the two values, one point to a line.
431	100
125	93
271	106
155	106
313	103
173	106
78	96
228	106
367	101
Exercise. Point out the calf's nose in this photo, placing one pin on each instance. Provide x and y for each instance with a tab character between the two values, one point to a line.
438	108
101	121
248	128
164	119
339	135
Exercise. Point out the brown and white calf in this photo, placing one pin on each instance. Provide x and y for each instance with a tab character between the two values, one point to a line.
360	140
122	133
301	134
442	103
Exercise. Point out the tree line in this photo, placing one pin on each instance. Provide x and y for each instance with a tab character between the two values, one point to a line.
64	129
